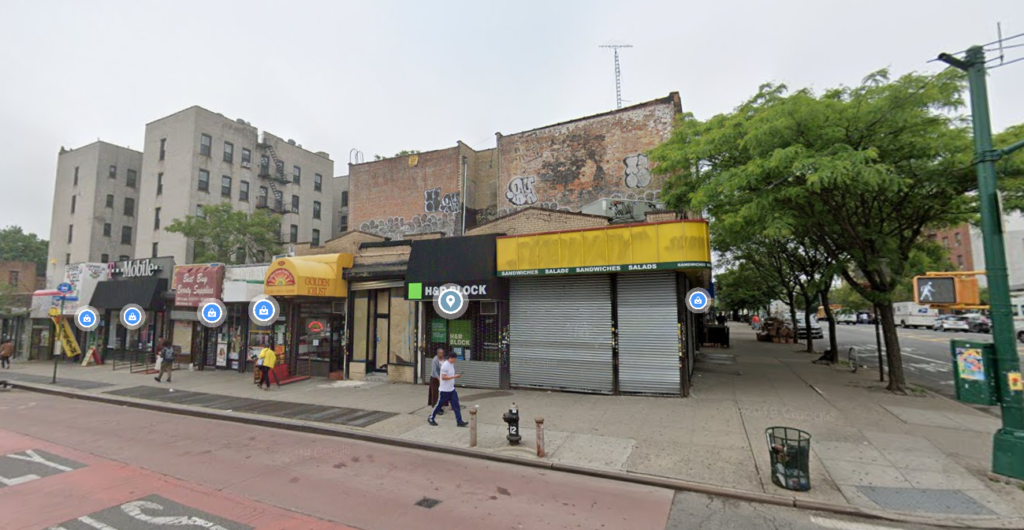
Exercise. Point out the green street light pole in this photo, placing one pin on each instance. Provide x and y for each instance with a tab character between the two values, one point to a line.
1008	443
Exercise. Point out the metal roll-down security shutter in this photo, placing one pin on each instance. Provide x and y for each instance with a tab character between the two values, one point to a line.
560	333
648	333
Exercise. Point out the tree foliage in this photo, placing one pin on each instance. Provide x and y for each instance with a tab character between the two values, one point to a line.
861	171
16	245
743	288
225	235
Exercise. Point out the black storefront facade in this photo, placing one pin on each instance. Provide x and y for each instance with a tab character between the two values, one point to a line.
144	282
478	337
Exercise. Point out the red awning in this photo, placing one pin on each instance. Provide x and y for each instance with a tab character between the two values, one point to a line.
47	292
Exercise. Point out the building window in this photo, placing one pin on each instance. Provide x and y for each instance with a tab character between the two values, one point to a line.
199	212
133	177
318	182
343	225
957	239
246	157
129	206
104	258
71	232
243	190
74	201
296	174
344	199
113	172
295	204
316	237
12	278
126	235
124	258
67	259
159	183
163	148
156	219
293	235
960	261
110	201
229	152
262	199
156	252
316	209
945	242
225	186
205	144
264	165
106	230
204	180
76	175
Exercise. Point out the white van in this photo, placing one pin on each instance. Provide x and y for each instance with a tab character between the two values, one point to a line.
913	315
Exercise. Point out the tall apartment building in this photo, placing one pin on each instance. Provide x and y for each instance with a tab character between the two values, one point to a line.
95	205
957	240
197	157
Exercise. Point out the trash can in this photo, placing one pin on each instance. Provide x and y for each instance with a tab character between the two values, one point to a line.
974	371
789	451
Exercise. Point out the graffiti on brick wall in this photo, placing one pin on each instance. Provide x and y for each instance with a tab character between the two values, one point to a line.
434	202
398	227
521	192
638	171
649	195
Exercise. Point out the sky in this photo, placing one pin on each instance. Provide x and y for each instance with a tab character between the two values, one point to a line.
382	76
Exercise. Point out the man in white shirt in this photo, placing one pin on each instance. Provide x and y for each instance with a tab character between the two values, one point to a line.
448	393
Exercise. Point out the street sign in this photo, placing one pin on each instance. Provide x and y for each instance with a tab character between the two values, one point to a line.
64	287
935	290
66	298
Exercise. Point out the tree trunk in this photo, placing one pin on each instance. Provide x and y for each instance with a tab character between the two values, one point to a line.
893	355
808	301
832	356
792	312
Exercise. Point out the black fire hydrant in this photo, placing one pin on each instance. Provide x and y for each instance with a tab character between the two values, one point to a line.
512	419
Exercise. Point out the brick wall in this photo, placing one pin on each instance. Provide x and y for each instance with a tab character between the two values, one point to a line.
534	220
569	165
407	195
347	243
958	241
20	276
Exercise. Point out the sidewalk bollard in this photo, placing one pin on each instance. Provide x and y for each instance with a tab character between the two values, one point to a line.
540	437
472	427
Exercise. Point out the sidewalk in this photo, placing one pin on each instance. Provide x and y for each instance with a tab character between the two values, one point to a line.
923	458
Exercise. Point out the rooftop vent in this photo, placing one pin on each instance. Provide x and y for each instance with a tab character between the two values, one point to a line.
291	142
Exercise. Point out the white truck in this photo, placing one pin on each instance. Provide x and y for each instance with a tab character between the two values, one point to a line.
913	315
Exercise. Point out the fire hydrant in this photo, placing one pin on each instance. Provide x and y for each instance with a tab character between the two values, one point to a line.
512	419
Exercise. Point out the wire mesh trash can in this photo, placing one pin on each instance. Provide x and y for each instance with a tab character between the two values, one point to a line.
790	455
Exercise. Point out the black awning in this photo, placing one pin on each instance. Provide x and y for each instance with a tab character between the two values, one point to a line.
469	262
148	293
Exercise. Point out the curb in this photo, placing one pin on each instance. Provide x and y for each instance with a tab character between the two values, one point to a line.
618	476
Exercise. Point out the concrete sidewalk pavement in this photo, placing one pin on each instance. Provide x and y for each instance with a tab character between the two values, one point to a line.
921	457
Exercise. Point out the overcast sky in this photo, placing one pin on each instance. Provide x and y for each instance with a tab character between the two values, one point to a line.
384	76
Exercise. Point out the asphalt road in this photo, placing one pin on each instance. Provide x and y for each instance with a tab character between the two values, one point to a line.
927	361
76	465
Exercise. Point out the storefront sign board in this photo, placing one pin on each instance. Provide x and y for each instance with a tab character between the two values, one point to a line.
195	283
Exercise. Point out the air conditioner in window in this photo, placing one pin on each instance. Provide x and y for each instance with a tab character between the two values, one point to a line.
246	164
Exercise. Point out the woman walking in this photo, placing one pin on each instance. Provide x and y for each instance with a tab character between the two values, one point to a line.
267	361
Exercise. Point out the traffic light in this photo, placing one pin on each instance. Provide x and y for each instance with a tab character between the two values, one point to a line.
950	290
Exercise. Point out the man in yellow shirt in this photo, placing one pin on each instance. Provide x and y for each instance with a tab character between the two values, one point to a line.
266	363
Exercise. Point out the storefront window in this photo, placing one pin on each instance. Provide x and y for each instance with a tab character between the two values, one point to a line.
474	337
359	331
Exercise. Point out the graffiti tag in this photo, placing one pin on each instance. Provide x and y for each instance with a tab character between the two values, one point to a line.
638	171
434	202
521	192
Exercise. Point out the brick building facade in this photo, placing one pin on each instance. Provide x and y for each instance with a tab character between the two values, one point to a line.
957	241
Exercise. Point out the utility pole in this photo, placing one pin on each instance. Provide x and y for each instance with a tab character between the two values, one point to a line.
618	75
1008	442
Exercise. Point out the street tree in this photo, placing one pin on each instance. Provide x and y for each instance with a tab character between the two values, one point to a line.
744	288
223	234
16	245
862	170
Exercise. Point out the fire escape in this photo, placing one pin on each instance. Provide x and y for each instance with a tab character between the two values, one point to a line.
278	177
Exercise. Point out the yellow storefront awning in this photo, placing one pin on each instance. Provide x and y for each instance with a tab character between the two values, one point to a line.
319	276
670	245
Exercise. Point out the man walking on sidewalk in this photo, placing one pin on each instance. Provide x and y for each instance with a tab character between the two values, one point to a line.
166	360
435	378
6	352
448	395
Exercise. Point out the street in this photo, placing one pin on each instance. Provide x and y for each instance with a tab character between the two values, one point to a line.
926	355
70	464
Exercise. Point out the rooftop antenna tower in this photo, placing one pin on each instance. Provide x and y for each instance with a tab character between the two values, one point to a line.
618	75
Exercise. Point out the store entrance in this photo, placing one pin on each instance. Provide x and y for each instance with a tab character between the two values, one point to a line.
380	329
320	340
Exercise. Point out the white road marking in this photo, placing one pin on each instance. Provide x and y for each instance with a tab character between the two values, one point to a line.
95	524
33	457
134	509
846	525
18	480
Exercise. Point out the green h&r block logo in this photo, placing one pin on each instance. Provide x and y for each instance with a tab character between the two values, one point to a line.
415	291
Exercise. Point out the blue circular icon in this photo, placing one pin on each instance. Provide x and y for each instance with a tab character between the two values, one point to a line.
132	316
450	301
211	313
698	300
264	311
87	318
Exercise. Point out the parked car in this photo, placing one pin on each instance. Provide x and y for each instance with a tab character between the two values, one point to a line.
801	330
951	323
846	318
978	323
